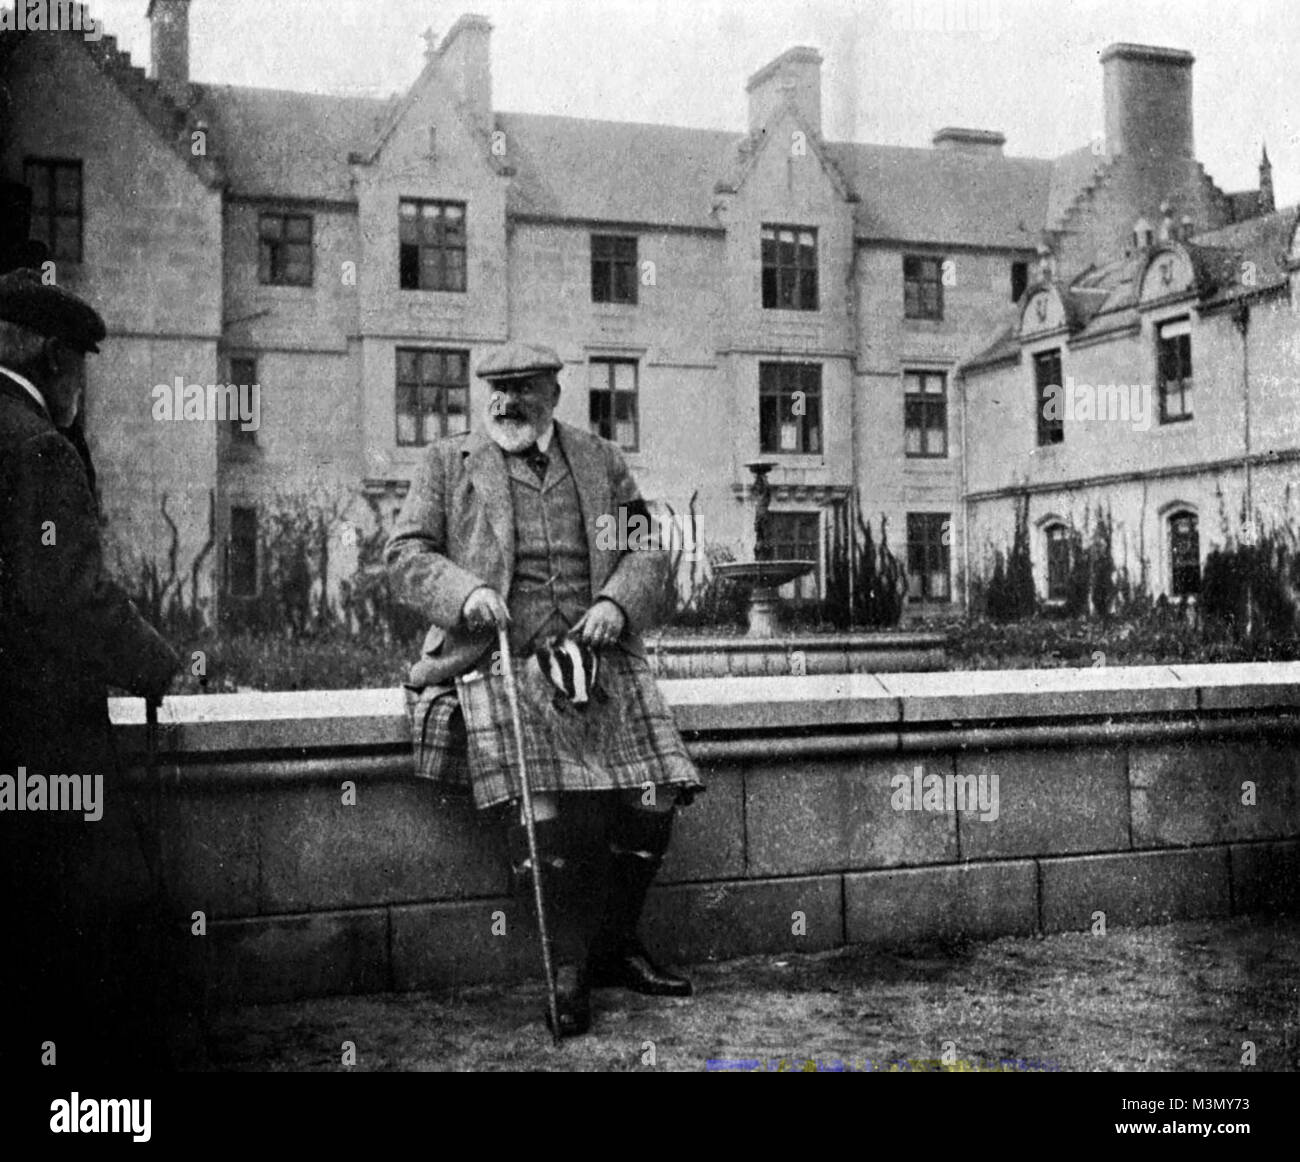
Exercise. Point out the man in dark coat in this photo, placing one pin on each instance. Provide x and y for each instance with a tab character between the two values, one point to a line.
72	979
518	525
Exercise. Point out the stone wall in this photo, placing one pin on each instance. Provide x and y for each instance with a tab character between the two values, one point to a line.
1146	794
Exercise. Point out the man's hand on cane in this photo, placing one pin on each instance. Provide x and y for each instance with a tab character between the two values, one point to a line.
485	609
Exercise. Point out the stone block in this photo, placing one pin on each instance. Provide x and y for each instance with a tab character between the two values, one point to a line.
273	958
1192	794
398	842
981	900
453	944
1049	802
833	814
1149	887
691	922
1266	877
709	835
211	850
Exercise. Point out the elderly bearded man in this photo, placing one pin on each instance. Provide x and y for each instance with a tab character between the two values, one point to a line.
499	529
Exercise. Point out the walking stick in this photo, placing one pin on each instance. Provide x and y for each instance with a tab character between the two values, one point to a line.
530	827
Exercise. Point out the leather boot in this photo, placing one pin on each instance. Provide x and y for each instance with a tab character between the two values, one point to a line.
638	841
573	885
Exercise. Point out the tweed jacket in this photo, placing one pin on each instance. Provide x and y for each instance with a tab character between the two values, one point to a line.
456	532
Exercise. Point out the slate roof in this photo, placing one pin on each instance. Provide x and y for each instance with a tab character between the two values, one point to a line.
1264	241
276	143
614	171
946	195
273	142
1104	298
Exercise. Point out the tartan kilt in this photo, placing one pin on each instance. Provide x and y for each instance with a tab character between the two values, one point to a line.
622	739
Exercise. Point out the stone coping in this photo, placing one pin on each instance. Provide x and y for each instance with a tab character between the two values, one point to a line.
810	643
332	720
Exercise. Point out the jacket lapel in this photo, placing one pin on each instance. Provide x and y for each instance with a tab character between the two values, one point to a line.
592	481
486	466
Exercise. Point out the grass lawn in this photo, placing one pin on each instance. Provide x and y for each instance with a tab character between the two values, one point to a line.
1181	996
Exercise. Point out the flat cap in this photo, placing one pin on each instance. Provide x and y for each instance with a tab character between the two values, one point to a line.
49	310
519	361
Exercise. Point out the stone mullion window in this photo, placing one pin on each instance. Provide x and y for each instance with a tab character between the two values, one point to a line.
431	245
1047	376
284	249
613	268
56	206
925	414
1175	369
928	558
789	256
790	408
922	287
432	394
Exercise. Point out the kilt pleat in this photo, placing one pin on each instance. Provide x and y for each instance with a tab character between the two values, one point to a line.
622	739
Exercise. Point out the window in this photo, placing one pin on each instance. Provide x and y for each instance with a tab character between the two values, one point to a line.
789	268
1048	395
922	287
431	237
611	385
56	206
1184	555
613	268
241	556
243	372
284	249
790	407
925	413
796	536
1019	280
1058	562
928	556
1175	371
432	394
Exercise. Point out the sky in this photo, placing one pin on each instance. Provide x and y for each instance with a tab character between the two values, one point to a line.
894	70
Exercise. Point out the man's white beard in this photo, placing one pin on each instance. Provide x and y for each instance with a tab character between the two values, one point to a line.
511	435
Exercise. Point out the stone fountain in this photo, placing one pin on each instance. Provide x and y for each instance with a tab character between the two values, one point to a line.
764	575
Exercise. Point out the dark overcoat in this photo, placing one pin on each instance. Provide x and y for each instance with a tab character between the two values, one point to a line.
67	632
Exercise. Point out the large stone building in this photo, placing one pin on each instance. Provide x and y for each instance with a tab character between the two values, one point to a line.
718	297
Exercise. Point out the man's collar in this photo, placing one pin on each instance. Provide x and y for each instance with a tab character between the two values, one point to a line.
27	385
544	440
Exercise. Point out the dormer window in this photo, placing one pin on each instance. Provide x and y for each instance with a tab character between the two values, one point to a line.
789	256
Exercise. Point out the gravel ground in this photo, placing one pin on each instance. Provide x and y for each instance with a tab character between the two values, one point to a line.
1181	996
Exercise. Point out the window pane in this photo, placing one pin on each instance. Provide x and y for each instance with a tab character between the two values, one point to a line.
298	229
624	376
67	188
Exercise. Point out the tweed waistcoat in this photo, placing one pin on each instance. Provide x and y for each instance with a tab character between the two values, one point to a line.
551	587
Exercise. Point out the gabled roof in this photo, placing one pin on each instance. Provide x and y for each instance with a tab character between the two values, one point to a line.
167	119
274	142
943	196
1263	241
615	171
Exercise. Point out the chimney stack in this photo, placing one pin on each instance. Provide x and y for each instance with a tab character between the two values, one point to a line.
1148	94
794	77
465	59
169	47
